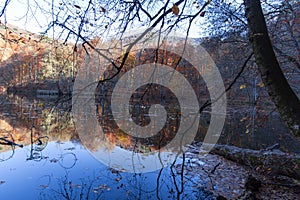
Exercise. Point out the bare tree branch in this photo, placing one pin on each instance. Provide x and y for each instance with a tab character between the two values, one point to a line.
4	7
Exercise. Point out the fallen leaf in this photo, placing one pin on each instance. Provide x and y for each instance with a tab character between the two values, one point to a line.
118	179
77	186
202	14
261	84
44	186
95	191
243	119
243	86
54	160
70	149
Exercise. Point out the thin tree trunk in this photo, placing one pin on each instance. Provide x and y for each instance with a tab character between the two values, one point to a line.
272	76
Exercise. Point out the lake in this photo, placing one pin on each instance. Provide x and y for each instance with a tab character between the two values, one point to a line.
53	164
42	156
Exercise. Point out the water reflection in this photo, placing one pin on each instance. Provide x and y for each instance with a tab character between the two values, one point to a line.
68	171
45	160
41	156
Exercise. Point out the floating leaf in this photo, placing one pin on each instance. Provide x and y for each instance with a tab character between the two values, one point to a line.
261	84
118	179
244	119
44	186
70	149
77	186
243	86
175	9
95	191
54	160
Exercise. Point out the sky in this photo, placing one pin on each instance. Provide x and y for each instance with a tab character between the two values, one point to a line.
33	19
30	18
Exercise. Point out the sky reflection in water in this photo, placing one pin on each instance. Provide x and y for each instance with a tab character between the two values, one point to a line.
67	170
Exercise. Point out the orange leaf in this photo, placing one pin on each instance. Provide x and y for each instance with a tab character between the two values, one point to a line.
244	119
261	84
175	9
243	86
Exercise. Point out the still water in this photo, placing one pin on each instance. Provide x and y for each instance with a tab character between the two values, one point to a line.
42	156
53	164
68	171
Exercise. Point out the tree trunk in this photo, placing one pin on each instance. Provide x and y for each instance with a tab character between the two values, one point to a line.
271	161
272	76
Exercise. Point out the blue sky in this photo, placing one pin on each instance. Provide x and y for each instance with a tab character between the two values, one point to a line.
34	16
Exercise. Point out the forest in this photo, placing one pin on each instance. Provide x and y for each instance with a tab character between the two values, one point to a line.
142	99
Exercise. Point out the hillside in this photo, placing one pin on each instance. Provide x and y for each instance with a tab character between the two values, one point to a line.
27	58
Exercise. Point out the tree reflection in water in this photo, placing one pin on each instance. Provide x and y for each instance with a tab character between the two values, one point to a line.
37	146
6	139
65	169
111	184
